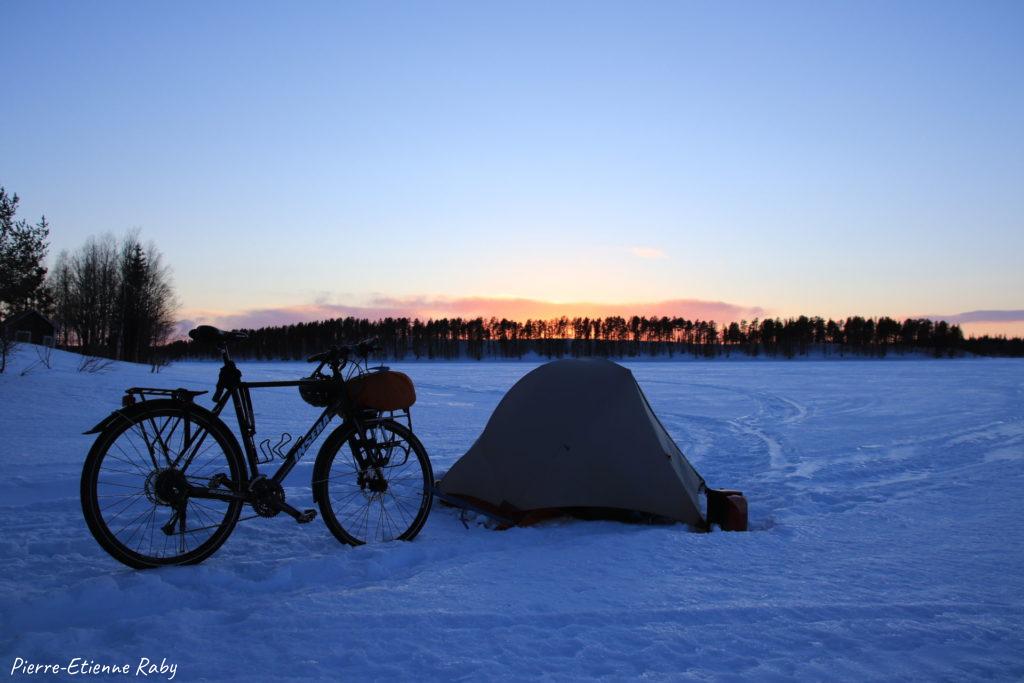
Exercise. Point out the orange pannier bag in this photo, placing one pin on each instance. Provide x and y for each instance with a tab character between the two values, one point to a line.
382	390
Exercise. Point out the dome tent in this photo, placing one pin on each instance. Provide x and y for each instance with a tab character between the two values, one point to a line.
576	434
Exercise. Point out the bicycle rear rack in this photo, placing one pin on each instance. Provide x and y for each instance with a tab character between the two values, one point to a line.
179	394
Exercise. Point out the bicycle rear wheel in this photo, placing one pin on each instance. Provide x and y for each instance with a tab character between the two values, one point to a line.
376	488
135	480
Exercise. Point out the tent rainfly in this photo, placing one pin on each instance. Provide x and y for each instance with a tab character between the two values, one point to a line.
578	435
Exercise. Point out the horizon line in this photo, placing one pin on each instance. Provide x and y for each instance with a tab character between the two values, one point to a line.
521	310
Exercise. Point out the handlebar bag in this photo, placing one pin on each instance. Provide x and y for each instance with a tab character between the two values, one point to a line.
383	390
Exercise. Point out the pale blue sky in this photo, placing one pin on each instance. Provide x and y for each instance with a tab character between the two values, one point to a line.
816	157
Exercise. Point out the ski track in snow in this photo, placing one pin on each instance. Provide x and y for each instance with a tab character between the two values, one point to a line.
884	497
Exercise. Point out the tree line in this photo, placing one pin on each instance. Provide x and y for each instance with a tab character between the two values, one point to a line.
612	337
112	297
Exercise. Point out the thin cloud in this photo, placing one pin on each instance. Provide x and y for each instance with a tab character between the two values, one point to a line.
471	307
991	316
649	253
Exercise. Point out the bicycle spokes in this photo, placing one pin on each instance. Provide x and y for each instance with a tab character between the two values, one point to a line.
142	499
376	491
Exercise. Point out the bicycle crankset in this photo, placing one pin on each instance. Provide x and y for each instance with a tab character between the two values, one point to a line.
267	497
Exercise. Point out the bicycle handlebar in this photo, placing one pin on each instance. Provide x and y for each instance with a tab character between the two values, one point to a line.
336	354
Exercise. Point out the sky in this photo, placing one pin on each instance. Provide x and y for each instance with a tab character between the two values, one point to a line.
734	160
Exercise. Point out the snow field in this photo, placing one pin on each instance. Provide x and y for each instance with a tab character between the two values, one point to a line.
885	498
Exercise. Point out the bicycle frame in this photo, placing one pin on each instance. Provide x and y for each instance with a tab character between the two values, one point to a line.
167	477
230	387
242	401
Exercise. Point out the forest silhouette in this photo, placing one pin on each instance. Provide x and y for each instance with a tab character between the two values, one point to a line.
614	337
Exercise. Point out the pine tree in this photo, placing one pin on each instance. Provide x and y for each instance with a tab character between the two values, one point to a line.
22	252
22	273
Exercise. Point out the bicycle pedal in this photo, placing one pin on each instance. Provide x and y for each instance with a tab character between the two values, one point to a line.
306	517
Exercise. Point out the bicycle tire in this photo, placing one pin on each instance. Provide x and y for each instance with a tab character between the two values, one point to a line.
413	482
128	471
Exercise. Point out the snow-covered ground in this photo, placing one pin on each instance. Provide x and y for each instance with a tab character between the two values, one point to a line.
886	501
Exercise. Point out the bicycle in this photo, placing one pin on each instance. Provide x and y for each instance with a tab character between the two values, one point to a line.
166	480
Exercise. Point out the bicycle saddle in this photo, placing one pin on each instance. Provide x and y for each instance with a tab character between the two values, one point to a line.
208	334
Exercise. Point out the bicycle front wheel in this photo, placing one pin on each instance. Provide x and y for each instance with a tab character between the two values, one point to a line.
373	487
136	479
